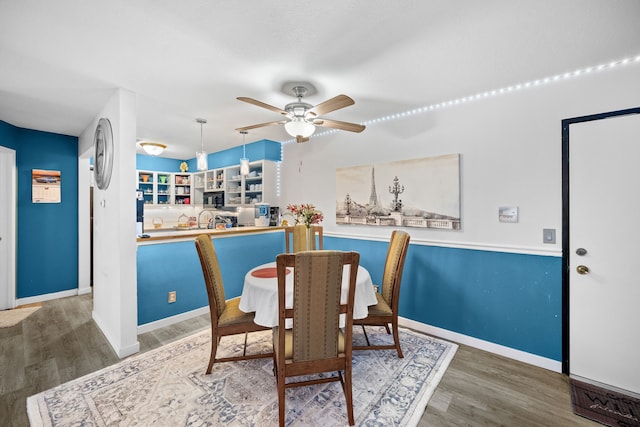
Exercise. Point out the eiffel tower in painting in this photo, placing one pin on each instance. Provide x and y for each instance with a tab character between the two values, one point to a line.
373	198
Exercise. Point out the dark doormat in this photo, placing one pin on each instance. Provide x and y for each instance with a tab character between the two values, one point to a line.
604	406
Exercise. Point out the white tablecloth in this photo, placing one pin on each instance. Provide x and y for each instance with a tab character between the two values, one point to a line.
261	294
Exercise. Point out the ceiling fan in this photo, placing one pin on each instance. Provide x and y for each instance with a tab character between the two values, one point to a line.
302	118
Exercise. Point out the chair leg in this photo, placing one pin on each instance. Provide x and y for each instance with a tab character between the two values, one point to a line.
348	393
281	388
244	349
386	325
214	348
396	338
365	335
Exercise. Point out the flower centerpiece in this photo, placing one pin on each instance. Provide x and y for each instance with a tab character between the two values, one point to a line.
306	214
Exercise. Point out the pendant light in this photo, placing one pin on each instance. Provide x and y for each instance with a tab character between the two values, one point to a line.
244	162
201	156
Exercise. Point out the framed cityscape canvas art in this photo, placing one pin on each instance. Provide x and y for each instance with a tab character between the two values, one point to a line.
422	193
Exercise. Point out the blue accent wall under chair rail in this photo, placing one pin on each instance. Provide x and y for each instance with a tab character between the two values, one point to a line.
509	299
514	300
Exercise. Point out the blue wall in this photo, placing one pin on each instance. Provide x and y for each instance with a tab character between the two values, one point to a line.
176	267
160	164
8	135
47	253
258	150
509	299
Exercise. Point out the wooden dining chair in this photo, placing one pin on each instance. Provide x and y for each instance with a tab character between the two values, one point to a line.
226	317
296	238
385	312
315	344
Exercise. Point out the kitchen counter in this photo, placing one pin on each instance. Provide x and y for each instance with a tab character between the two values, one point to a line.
163	234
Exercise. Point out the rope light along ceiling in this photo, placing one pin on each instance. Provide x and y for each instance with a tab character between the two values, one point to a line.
496	92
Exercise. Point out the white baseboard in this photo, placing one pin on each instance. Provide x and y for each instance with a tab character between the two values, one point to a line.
121	352
148	327
87	290
532	359
47	297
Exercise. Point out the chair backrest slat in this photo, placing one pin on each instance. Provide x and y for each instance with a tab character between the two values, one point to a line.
296	238
316	305
392	275
317	279
212	275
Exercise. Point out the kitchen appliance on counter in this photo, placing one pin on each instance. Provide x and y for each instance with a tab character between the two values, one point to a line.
214	200
262	214
139	212
274	216
246	216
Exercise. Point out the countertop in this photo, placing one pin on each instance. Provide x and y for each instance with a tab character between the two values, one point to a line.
163	234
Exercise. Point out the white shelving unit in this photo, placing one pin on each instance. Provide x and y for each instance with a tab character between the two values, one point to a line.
165	188
182	188
225	186
259	186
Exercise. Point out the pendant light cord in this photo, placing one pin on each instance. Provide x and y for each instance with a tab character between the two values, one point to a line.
244	153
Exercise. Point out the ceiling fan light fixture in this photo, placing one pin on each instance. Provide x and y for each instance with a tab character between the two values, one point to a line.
299	127
152	148
202	162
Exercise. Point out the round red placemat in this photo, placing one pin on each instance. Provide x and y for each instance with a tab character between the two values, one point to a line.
267	273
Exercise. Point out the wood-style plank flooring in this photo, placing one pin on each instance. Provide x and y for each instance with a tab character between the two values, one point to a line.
61	342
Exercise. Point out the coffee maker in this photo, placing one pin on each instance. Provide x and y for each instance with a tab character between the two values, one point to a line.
274	216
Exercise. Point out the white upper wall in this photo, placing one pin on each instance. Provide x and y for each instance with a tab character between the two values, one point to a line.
511	153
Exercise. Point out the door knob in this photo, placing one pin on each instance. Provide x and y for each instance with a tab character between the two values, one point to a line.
582	269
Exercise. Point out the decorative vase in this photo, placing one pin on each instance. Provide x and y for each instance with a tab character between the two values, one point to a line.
145	178
310	238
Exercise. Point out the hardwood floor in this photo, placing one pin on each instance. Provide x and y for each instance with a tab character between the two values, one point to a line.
61	342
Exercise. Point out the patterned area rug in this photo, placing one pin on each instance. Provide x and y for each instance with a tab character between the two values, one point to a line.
168	387
9	318
604	406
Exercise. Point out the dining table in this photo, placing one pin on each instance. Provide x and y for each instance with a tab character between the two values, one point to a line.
260	293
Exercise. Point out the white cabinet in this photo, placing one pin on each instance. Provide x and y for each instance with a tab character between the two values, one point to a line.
165	188
182	188
233	193
209	188
259	186
225	186
214	180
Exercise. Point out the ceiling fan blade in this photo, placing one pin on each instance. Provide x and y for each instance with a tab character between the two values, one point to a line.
300	139
336	124
262	104
330	105
279	122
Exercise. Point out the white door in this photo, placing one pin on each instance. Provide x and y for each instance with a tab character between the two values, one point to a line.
604	251
7	228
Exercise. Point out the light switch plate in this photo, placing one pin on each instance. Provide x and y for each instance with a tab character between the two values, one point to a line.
508	214
549	235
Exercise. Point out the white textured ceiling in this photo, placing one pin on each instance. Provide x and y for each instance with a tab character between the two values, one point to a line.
61	60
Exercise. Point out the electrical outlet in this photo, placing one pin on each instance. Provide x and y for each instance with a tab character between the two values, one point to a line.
172	297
